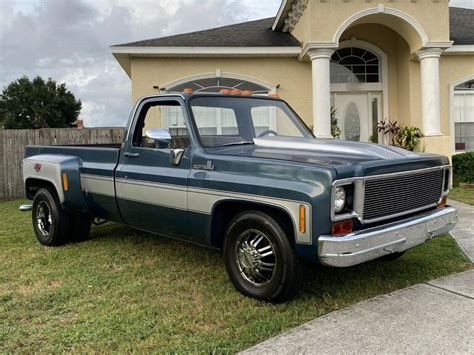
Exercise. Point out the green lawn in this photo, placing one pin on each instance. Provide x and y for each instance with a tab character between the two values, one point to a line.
462	195
128	291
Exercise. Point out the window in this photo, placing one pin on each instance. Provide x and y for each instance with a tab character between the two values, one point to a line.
230	120
215	121
162	114
354	65
464	116
215	84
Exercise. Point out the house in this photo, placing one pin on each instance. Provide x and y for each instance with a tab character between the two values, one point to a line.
410	61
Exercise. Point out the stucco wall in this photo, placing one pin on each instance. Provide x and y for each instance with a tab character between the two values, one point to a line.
294	77
321	20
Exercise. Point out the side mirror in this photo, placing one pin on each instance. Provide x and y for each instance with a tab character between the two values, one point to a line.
161	135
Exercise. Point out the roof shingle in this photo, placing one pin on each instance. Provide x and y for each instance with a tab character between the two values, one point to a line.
461	25
257	33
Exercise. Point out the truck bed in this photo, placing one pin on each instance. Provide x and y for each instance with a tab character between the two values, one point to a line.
98	159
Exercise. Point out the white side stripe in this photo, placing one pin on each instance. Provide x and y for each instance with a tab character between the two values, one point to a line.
199	200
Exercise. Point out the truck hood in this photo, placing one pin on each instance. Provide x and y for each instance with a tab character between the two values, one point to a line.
347	158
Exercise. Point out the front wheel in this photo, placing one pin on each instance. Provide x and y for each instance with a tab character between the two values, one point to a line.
259	258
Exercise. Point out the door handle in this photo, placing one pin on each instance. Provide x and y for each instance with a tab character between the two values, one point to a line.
131	155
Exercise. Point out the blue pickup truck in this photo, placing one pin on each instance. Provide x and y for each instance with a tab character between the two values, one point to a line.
245	175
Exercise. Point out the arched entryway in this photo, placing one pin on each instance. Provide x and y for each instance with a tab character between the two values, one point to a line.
359	89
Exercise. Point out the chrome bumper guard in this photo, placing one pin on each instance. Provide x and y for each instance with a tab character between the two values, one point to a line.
361	246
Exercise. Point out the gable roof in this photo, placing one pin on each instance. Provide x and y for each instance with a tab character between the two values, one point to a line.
257	33
461	25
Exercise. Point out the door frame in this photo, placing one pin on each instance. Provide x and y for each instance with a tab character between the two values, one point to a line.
370	96
380	87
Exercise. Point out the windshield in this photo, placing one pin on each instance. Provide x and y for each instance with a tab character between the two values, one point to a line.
223	121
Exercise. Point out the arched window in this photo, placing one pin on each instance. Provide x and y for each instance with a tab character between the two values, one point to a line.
217	121
354	65
215	84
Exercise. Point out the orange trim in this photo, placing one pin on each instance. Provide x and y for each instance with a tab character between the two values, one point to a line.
302	219
442	203
65	182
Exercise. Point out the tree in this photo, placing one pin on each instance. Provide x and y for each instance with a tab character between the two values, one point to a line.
36	103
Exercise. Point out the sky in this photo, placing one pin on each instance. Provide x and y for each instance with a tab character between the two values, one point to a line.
69	41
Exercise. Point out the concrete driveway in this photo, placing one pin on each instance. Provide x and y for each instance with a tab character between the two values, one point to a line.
433	317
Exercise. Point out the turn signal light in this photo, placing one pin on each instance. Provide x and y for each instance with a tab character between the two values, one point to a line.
247	92
342	227
302	226
65	182
236	92
442	203
225	91
188	90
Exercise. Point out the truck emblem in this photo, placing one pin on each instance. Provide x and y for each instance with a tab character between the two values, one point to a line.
37	167
209	166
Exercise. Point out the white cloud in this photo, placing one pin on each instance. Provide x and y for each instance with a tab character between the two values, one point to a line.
69	42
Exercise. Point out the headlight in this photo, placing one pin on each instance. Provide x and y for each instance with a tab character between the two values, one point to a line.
339	199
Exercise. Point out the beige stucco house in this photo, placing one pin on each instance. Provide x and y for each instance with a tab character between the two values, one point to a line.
410	61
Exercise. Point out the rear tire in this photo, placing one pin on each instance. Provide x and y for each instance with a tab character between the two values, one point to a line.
50	222
259	258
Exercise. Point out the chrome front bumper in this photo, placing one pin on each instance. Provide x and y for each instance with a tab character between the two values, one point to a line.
361	246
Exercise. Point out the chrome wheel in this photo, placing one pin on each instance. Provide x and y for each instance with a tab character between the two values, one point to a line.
255	257
43	218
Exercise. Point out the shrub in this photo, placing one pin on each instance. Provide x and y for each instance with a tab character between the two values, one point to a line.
463	167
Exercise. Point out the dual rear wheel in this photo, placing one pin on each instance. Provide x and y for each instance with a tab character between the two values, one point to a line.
53	225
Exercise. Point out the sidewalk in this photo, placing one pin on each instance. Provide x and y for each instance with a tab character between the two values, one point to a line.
433	317
463	232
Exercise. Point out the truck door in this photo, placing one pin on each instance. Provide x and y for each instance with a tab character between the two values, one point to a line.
151	180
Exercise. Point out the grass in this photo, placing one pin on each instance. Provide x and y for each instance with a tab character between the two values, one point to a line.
126	291
462	195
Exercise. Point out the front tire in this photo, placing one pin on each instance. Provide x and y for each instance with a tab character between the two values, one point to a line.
259	258
50	221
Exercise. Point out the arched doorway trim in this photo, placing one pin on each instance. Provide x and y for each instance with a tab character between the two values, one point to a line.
384	10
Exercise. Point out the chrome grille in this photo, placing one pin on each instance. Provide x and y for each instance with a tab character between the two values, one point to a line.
401	194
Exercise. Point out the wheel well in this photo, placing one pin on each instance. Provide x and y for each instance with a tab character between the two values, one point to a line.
33	185
225	211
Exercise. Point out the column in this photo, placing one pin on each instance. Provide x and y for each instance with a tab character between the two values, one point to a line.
430	106
320	60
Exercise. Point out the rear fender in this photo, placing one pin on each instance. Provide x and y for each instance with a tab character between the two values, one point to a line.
50	170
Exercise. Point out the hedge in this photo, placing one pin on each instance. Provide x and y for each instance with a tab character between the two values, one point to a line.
463	167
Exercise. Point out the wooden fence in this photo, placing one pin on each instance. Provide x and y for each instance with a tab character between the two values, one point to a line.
13	143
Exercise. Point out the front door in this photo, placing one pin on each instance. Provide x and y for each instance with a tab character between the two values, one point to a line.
357	115
151	191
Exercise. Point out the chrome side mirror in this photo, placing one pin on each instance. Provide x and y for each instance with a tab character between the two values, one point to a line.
175	156
159	134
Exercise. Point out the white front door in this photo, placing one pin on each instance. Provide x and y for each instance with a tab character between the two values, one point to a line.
357	115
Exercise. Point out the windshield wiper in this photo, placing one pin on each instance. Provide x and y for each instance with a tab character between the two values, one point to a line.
237	143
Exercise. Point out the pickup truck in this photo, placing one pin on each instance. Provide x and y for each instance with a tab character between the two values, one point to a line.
242	174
